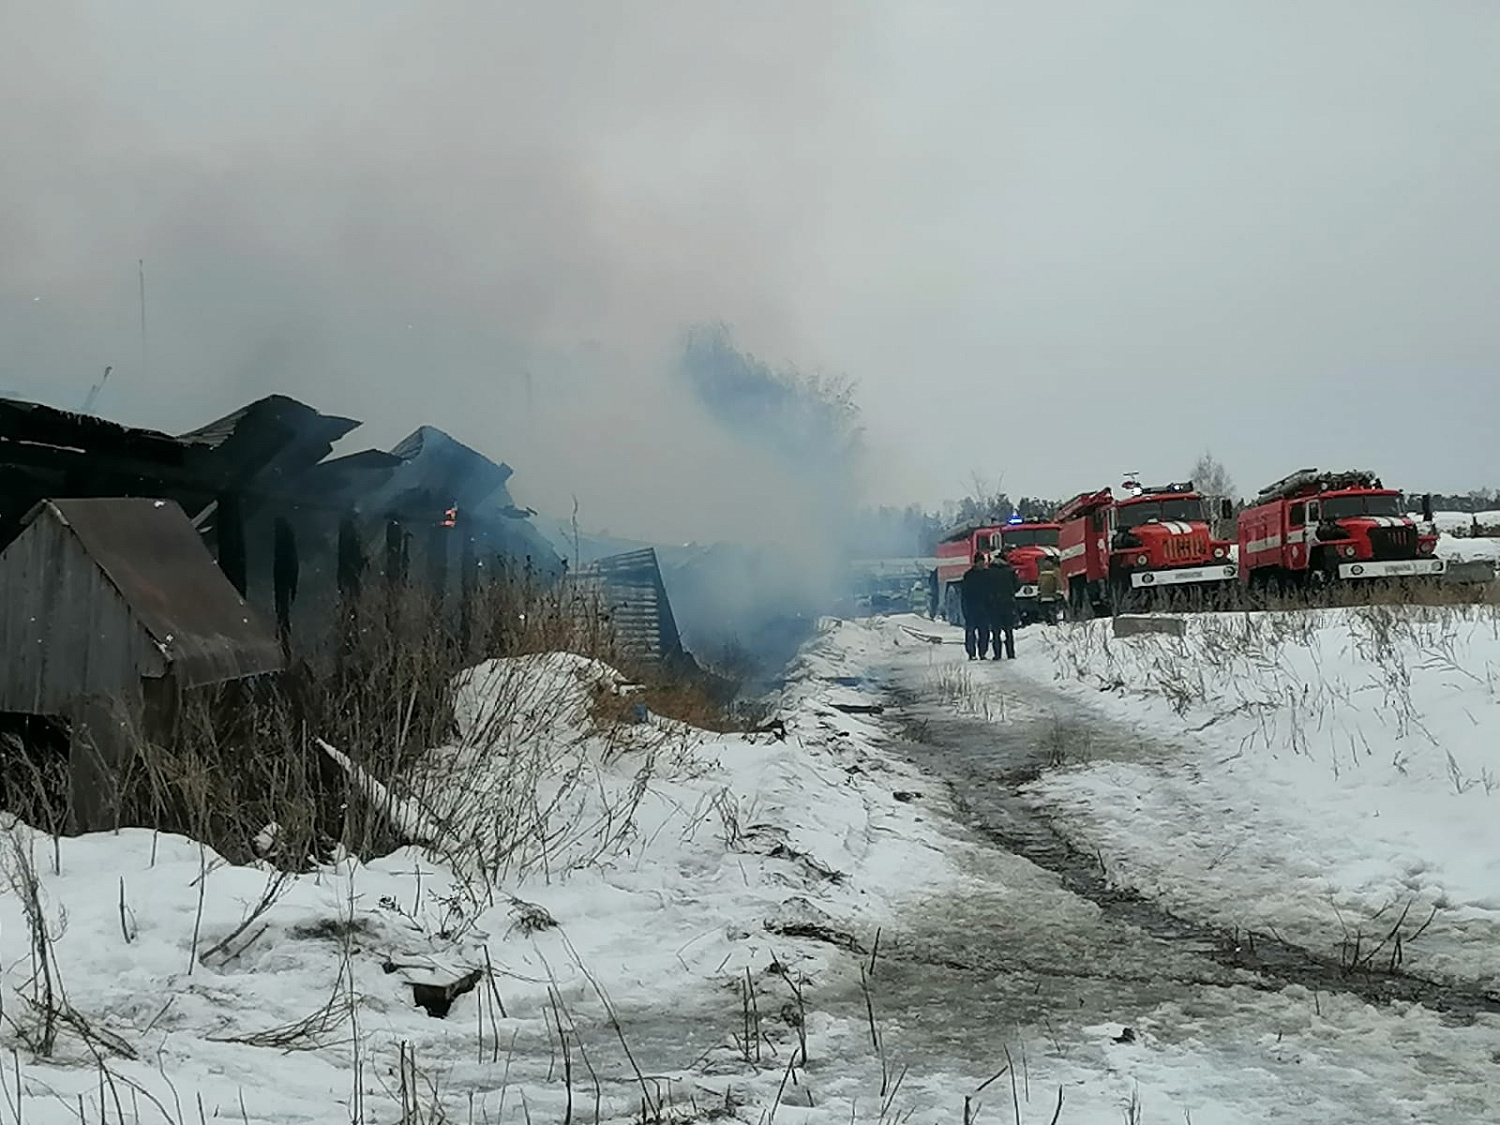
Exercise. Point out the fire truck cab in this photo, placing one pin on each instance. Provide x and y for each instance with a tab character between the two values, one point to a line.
1030	547
1119	551
1319	528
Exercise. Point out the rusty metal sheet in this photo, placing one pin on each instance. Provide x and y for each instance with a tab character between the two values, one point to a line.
171	585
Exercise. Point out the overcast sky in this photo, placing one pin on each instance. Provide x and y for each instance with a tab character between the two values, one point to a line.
1053	242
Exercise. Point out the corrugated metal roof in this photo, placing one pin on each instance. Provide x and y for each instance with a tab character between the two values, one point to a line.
170	586
630	589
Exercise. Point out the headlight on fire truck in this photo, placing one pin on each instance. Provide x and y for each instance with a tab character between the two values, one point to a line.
1142	560
1219	552
1426	548
1348	552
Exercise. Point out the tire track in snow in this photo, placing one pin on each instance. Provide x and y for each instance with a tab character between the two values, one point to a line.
985	768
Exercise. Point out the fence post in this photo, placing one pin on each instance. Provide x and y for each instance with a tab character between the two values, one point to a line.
284	573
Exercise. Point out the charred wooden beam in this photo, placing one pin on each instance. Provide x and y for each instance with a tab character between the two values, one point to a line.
468	578
397	554
229	531
285	570
351	557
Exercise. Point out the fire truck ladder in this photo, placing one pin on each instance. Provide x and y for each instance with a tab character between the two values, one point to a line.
1314	480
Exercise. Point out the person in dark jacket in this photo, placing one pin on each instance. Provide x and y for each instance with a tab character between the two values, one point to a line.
1002	590
974	589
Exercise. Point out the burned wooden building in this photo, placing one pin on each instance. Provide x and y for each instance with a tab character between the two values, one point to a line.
291	527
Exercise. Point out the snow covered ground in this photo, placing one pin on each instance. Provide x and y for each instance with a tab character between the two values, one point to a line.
174	979
1325	773
1329	777
1457	548
688	938
707	927
1448	523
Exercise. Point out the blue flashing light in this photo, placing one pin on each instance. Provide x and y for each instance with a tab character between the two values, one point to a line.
1015	519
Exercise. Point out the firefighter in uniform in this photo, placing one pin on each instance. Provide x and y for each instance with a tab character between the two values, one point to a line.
974	589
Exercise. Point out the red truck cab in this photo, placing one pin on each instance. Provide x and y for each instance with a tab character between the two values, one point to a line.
1030	547
955	554
1119	551
1321	528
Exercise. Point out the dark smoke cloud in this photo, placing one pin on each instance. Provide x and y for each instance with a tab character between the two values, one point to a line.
1053	242
494	218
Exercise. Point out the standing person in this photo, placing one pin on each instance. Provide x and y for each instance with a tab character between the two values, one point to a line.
975	590
932	595
1002	590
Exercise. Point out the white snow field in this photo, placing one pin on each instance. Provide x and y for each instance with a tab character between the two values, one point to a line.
1330	777
691	929
1457	548
1333	775
1317	773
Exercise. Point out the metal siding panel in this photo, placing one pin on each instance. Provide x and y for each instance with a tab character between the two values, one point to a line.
65	629
630	588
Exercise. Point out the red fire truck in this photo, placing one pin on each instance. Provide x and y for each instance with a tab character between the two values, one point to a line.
1119	552
1030	547
1317	528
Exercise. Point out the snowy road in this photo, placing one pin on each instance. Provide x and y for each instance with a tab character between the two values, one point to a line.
1227	1026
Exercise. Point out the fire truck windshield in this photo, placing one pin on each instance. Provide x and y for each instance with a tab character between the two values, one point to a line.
1030	537
1187	510
1347	507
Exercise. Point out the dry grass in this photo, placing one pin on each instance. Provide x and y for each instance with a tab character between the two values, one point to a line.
688	695
239	768
1270	667
956	684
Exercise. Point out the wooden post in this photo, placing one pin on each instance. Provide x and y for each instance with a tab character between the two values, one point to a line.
438	538
397	555
351	560
103	739
350	571
229	524
468	578
285	570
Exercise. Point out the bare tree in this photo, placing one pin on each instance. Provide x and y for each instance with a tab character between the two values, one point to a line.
987	502
1211	478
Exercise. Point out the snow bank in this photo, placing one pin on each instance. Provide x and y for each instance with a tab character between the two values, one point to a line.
1324	773
1468	549
1448	523
655	868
